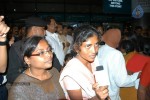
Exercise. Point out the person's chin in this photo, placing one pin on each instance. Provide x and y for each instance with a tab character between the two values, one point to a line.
91	60
48	65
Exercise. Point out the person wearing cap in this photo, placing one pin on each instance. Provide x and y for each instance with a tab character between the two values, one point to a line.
3	59
35	26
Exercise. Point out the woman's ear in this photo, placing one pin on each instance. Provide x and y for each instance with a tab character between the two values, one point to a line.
27	61
76	48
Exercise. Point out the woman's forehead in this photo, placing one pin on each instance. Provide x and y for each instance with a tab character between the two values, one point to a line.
93	39
42	44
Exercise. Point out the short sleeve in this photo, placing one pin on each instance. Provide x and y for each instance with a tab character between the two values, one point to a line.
70	84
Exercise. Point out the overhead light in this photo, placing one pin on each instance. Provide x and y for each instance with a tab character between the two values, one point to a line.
14	10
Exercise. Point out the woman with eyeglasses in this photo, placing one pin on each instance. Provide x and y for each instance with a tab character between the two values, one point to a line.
40	81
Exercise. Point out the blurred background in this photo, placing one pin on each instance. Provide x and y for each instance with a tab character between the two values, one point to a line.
74	12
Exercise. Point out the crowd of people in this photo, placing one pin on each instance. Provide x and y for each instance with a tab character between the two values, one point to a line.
46	60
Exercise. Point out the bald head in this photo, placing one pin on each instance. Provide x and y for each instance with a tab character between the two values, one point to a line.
112	37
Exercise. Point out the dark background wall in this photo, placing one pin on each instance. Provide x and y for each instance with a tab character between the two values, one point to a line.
91	11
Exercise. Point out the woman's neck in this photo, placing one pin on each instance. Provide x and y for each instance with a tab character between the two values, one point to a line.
85	62
38	74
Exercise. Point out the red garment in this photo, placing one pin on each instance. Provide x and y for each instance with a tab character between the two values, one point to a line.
137	62
145	75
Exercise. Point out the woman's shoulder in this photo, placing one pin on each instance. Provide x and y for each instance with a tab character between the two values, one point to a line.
73	62
21	81
54	72
18	85
74	66
21	77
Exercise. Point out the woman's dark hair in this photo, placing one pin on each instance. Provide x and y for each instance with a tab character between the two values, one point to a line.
145	48
133	37
127	45
68	56
48	19
30	45
82	33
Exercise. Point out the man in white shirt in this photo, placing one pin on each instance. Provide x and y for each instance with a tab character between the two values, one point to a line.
113	60
53	39
69	38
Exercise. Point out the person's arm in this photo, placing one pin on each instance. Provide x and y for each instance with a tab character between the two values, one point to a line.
141	92
144	82
3	58
122	79
72	88
101	93
3	48
16	93
75	93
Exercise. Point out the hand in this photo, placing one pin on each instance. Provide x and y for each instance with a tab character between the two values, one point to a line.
139	75
11	41
130	73
3	27
101	91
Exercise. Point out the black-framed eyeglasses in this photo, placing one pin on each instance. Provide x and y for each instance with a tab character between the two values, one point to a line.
44	52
